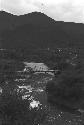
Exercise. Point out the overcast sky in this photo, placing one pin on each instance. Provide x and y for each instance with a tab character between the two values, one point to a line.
60	10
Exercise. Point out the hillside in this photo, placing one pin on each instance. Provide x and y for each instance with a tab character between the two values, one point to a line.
36	30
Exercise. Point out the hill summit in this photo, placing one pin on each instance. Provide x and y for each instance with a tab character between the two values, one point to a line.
37	30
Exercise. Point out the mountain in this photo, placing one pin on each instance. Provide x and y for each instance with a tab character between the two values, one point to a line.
37	30
9	21
6	20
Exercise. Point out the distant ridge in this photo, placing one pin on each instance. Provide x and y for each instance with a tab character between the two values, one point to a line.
37	30
8	20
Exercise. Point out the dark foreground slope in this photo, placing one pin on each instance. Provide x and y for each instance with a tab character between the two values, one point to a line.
34	98
36	30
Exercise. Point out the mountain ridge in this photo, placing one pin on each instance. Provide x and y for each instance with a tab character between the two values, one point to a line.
42	31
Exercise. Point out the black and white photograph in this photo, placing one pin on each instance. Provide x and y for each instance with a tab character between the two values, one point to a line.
41	62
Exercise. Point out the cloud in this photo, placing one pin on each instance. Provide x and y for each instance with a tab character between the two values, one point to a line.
69	12
61	10
18	7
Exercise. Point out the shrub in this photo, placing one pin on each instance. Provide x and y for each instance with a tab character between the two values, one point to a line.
67	90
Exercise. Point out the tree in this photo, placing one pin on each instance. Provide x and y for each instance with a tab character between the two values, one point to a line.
67	90
15	111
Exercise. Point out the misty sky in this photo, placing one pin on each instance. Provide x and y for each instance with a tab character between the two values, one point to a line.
60	10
